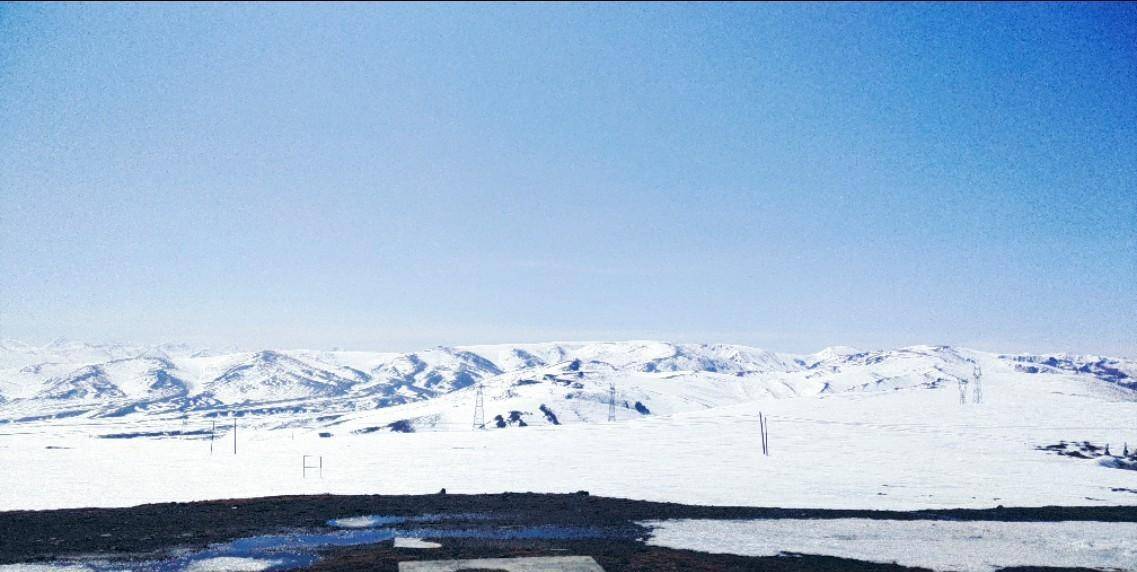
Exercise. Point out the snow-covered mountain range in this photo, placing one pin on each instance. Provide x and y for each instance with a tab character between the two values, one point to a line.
522	384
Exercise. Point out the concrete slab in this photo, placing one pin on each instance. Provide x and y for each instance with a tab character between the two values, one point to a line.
533	564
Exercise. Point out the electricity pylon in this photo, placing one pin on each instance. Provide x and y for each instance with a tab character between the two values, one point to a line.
479	409
977	397
611	402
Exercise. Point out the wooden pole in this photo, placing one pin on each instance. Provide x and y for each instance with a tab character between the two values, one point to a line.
234	435
762	428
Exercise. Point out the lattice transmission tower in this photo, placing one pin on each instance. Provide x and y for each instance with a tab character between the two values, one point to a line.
611	402
479	409
977	396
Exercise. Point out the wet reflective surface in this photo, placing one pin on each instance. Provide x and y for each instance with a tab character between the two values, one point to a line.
300	549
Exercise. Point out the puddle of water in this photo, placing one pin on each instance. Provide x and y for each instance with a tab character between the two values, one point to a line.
269	552
296	550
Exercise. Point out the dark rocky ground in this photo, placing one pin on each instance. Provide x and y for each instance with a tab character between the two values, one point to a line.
147	532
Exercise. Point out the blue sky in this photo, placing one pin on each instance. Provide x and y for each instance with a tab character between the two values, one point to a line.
400	176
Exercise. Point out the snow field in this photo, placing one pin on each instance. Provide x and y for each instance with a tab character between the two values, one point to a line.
977	546
905	449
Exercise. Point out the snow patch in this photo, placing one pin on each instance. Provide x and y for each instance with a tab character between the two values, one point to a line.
979	546
230	564
403	542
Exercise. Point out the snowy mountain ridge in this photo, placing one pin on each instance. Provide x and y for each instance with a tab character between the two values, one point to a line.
523	384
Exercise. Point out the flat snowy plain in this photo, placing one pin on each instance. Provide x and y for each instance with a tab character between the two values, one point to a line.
905	449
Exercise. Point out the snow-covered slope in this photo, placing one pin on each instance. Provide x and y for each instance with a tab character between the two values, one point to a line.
522	384
1121	372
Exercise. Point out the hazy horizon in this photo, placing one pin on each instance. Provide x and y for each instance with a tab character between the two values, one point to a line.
240	348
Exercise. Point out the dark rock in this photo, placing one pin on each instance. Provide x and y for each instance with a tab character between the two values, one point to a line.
401	426
552	417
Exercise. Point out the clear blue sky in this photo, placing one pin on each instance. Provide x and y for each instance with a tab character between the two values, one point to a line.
400	176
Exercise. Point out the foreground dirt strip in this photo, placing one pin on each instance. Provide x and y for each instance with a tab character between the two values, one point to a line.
38	536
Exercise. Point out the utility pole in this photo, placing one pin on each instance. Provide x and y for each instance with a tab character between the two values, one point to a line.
765	434
479	409
234	435
212	430
611	402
